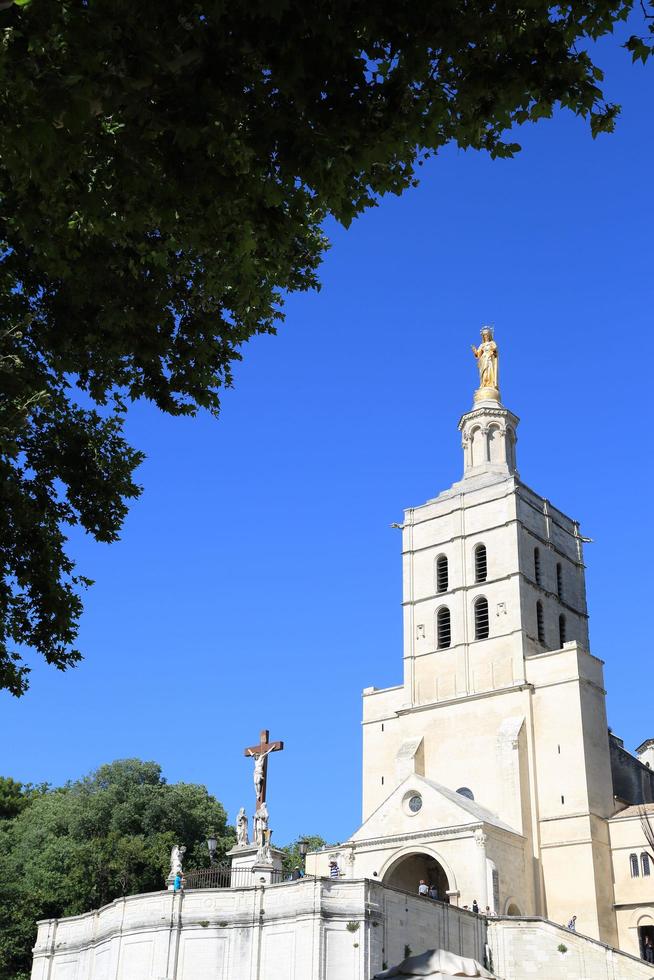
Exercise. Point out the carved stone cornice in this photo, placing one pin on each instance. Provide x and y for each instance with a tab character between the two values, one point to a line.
468	829
488	413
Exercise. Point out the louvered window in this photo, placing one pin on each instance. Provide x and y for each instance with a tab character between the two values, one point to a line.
559	580
540	623
537	565
481	564
562	630
481	618
442	574
633	861
443	628
645	864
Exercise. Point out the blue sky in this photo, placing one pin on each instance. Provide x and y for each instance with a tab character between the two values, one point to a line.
257	582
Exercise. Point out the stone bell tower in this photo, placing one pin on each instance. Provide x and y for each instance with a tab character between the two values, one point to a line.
493	573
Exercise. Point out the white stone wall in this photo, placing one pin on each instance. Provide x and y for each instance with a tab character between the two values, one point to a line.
526	949
312	929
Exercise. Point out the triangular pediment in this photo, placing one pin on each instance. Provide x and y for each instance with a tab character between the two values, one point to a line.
419	804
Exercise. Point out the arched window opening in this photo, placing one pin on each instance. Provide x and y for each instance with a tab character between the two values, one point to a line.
495	446
645	864
633	861
559	580
537	565
443	628
540	623
481	618
481	563
464	791
562	630
442	574
479	447
510	448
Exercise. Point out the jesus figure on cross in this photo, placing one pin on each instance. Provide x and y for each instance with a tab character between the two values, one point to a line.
260	755
259	775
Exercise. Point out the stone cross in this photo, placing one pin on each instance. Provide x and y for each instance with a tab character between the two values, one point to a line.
260	755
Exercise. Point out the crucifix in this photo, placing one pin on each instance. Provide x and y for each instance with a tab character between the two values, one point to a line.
260	755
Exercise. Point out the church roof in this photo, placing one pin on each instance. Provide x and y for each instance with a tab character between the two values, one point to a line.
474	809
448	809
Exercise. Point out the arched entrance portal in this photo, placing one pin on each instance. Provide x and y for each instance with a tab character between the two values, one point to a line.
408	871
645	937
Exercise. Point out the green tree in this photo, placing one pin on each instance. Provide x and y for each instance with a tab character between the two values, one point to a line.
293	859
165	172
80	846
13	799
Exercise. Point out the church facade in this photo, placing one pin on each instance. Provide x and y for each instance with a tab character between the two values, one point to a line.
490	772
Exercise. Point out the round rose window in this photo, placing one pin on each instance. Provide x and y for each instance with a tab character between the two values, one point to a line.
415	803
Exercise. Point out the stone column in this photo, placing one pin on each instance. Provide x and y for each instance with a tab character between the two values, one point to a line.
480	840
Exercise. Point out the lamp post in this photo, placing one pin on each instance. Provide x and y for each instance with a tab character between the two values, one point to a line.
303	847
212	844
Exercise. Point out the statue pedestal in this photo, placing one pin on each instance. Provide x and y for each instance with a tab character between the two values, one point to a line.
487	395
248	868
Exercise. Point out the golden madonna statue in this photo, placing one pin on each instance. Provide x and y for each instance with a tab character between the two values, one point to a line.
487	363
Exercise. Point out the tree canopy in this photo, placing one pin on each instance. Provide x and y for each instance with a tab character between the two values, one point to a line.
165	172
67	850
292	859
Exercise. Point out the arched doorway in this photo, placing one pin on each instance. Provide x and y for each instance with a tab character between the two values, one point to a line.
409	870
645	926
645	933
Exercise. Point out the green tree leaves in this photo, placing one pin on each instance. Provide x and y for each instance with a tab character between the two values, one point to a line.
65	851
293	859
165	173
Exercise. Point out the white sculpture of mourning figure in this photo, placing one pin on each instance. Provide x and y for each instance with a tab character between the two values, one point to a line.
264	854
176	858
242	828
260	824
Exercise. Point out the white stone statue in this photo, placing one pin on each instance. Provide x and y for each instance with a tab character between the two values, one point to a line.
258	775
260	824
242	839
176	858
264	854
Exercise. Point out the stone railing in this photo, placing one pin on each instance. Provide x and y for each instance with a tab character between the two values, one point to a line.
309	929
524	948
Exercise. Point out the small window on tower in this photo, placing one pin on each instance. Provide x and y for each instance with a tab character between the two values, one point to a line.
633	862
442	574
645	864
559	580
562	630
481	565
537	565
481	618
443	628
540	623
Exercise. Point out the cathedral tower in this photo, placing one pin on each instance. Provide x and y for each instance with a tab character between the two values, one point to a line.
500	720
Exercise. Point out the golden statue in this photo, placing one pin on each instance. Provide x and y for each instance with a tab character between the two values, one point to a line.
487	362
